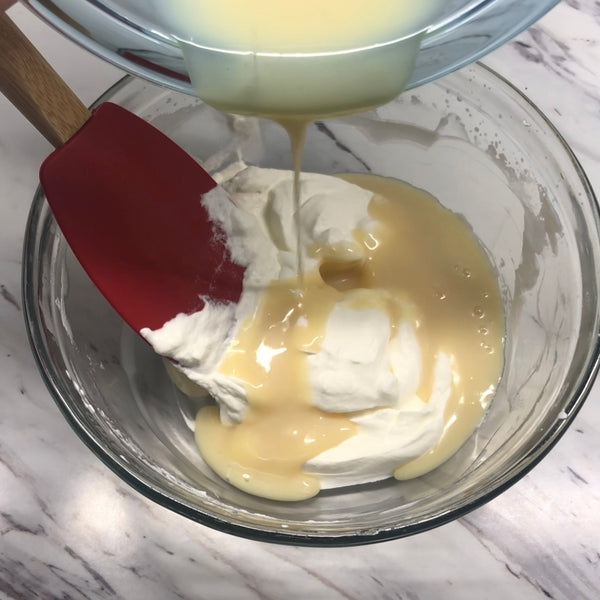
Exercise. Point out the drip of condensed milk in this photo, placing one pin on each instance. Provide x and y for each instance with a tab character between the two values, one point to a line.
296	130
418	251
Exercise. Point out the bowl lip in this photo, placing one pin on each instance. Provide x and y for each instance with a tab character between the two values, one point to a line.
440	33
196	513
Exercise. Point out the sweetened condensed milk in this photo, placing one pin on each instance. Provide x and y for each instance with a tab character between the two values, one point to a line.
424	265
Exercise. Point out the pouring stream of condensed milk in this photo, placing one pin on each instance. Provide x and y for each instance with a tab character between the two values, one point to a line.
295	62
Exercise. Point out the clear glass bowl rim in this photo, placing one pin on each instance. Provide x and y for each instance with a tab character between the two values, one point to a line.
449	31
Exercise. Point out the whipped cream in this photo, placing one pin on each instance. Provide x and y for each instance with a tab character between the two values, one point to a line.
368	365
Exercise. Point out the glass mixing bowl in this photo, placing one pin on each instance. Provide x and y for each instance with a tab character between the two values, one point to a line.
486	153
129	34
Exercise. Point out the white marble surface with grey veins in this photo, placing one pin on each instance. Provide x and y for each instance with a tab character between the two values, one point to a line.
70	529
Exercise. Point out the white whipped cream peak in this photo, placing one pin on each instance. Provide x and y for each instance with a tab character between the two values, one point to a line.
259	219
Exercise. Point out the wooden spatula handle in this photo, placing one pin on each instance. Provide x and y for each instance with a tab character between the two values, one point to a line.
36	89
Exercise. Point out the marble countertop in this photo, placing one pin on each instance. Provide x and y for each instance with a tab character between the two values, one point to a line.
538	540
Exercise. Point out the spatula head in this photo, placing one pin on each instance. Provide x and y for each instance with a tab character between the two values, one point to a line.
128	201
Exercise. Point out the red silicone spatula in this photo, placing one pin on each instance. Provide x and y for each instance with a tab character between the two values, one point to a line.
126	197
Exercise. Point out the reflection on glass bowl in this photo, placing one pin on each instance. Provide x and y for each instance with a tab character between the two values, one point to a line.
486	153
130	34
